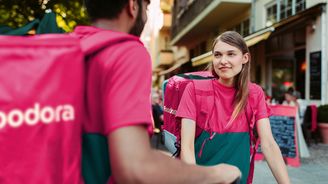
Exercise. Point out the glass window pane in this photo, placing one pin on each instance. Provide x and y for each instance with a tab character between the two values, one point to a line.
289	12
246	27
274	8
238	29
271	14
282	15
300	5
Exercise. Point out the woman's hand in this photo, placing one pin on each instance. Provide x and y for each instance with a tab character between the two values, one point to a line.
228	173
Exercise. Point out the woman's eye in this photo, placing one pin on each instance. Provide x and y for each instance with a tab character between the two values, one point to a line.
217	55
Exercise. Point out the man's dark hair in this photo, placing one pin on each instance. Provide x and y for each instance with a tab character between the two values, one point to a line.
105	9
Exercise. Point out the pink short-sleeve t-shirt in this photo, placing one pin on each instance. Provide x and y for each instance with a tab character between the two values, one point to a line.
118	86
223	107
231	142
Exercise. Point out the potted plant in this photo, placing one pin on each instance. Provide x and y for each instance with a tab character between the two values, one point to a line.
322	119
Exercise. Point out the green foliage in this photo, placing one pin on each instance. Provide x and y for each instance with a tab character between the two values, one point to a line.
16	13
323	113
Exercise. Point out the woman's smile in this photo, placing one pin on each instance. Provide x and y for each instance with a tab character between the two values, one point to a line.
224	68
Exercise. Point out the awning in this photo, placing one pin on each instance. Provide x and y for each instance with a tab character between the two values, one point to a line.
258	36
202	59
265	33
250	41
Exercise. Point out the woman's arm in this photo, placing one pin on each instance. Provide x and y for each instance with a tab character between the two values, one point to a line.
272	152
188	130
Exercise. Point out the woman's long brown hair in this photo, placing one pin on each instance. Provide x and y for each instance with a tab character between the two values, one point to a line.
242	80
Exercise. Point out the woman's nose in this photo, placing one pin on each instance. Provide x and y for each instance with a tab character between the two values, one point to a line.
223	60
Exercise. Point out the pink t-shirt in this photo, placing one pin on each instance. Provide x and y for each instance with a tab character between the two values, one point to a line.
118	86
223	107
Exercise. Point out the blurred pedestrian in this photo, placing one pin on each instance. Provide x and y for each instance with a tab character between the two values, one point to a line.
158	118
268	98
157	111
294	92
290	97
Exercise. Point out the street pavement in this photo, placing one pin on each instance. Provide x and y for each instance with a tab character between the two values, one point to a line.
313	170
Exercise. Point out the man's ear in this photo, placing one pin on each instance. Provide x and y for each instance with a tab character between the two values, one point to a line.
133	8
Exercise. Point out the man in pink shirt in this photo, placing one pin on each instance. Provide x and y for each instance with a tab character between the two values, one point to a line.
118	97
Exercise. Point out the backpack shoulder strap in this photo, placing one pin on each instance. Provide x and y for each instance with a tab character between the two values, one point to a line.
99	40
204	92
254	141
205	102
203	85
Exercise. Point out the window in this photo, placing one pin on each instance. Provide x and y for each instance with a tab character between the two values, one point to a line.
245	28
199	49
242	28
192	53
271	15
285	9
300	5
202	47
237	28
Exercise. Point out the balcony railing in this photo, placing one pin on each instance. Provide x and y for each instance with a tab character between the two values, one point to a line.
167	23
184	14
165	58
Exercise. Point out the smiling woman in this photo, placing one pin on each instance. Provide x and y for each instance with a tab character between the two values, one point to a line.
231	65
239	107
228	62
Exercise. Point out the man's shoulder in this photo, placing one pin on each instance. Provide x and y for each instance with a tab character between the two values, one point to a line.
126	51
86	31
130	46
107	38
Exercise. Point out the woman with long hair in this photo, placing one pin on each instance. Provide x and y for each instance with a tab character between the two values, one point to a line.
238	103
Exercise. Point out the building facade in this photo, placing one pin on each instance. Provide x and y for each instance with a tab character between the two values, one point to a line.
288	40
167	58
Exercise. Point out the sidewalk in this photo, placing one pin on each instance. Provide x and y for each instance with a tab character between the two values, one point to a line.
313	170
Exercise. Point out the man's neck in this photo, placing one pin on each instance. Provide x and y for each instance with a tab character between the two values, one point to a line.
114	25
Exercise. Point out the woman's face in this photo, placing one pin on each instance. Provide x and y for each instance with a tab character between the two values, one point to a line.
228	61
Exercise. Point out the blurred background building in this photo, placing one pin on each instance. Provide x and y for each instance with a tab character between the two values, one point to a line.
287	39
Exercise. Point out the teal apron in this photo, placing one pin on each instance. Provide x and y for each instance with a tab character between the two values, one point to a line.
229	148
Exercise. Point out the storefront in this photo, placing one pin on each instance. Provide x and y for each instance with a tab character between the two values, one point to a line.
286	64
291	57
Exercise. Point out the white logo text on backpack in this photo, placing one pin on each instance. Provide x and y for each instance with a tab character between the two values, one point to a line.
31	116
170	110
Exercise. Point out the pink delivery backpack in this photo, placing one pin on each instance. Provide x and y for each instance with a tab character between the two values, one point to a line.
41	107
42	88
173	90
